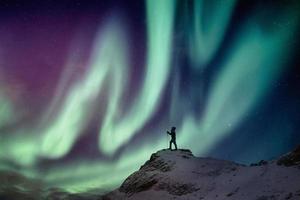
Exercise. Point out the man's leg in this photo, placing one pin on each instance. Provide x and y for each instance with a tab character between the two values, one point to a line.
175	145
170	145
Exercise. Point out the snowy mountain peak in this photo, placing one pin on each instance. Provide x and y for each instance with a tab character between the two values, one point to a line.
180	175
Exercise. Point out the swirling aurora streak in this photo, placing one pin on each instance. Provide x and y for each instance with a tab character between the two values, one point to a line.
254	60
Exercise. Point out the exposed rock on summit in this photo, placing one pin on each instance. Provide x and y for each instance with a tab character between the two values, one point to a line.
290	159
180	175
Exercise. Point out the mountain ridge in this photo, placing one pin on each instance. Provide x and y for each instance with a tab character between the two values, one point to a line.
181	175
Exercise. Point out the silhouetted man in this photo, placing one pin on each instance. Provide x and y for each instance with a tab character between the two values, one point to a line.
173	138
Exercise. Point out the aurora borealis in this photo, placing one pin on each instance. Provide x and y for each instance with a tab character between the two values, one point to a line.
89	88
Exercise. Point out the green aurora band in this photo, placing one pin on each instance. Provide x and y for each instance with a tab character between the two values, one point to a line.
253	62
115	133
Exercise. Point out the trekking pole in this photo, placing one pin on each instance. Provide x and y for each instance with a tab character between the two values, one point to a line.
167	139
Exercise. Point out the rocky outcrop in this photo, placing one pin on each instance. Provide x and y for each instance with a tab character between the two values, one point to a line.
147	177
290	159
180	175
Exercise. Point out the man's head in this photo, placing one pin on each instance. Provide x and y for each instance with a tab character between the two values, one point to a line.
173	128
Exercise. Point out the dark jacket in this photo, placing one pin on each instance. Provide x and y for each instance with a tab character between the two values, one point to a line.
173	135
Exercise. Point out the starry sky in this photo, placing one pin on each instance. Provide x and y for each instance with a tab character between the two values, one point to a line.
88	89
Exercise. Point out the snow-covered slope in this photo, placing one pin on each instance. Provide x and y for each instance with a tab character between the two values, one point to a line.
180	175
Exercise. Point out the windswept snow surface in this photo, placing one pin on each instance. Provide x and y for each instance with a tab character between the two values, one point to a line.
180	175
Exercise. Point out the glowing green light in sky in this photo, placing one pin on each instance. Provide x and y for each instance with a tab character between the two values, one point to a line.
61	134
208	29
65	78
254	60
160	15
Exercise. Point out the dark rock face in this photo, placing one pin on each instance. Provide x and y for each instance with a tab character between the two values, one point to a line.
177	189
155	175
137	182
156	163
260	163
290	159
147	177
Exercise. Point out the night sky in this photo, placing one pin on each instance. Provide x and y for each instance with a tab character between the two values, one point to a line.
88	89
